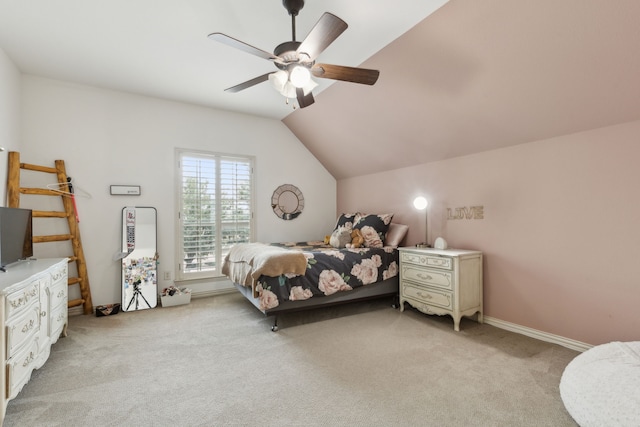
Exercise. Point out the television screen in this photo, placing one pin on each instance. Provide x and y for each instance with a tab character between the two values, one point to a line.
16	239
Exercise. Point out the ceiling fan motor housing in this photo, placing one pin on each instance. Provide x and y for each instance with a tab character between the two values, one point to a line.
288	51
293	6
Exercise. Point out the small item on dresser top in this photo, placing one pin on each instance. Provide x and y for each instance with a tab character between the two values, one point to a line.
423	245
440	243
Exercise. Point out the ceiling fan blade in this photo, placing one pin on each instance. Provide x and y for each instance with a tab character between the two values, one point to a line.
347	74
230	41
304	100
326	30
248	83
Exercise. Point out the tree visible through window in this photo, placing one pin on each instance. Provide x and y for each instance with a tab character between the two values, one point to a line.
215	196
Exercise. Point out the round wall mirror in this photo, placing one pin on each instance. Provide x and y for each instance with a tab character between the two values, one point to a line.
287	201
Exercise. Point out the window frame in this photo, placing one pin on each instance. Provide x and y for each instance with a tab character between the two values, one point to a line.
215	273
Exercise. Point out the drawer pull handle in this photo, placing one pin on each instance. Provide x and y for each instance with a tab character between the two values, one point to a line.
18	302
426	296
24	299
28	326
28	360
424	276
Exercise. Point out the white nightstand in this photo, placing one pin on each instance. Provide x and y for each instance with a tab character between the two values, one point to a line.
441	282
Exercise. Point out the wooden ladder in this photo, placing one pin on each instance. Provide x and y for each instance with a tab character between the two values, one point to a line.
14	190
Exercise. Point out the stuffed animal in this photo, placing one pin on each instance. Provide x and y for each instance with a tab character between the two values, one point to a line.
340	237
357	239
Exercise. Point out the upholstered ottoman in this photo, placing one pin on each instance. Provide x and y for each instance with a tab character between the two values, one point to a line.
601	387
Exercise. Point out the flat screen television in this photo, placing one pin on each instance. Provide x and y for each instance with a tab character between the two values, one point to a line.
16	235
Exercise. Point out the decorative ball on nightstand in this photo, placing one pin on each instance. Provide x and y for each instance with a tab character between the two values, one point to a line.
440	243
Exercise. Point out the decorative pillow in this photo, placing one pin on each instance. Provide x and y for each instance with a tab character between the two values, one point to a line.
395	234
345	220
373	227
340	237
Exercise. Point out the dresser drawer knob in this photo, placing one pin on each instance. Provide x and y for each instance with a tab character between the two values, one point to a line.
424	276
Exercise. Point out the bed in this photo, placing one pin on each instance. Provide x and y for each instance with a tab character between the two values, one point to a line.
283	277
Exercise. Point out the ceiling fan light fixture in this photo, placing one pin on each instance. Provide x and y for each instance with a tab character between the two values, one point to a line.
299	76
296	61
280	81
310	86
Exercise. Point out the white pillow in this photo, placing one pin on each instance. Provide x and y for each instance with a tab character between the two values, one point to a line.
395	234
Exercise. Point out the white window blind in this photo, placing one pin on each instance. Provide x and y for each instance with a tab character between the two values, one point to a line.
216	199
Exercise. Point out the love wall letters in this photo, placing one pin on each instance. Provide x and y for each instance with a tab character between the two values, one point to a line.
466	212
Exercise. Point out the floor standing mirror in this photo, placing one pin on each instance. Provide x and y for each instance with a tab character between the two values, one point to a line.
139	264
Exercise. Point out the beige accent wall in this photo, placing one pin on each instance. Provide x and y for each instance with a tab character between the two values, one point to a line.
560	228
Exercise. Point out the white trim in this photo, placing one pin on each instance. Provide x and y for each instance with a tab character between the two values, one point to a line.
534	333
217	158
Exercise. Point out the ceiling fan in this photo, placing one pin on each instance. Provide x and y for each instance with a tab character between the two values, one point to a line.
295	60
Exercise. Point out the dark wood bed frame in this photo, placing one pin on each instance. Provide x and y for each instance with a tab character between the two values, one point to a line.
387	288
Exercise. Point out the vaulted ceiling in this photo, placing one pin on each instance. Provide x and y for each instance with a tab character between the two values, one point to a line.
456	77
478	75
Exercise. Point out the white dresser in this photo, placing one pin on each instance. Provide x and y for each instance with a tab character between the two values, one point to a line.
442	282
33	296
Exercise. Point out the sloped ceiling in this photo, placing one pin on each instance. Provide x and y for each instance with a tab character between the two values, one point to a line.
480	75
160	47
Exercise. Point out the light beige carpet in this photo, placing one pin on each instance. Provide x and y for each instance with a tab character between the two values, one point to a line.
215	362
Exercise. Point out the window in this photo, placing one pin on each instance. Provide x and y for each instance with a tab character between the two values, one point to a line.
215	195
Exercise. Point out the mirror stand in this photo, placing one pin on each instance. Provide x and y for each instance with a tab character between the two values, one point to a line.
139	264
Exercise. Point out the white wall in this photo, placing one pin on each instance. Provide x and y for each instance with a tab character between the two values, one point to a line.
107	137
9	115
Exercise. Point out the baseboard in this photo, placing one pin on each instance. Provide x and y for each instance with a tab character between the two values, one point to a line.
519	329
534	333
75	311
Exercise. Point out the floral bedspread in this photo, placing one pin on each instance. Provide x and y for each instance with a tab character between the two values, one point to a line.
329	270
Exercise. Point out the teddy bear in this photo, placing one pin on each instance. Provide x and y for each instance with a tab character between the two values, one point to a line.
340	237
357	240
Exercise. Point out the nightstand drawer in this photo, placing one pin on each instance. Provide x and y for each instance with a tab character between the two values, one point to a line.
425	276
426	260
427	296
